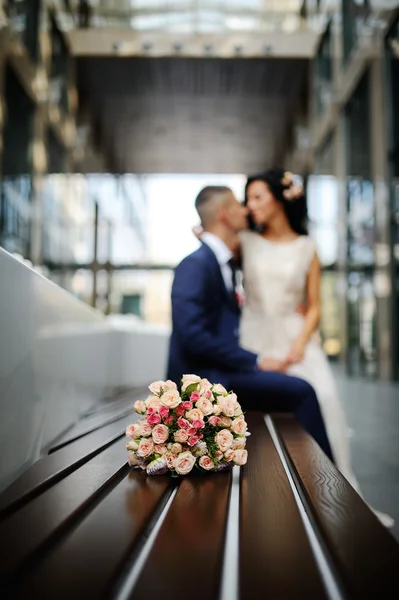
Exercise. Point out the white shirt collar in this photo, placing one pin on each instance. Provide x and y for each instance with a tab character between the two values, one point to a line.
220	249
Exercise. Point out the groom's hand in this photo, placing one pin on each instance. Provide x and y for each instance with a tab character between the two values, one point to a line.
272	364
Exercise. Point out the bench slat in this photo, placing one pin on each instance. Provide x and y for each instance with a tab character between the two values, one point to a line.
276	558
186	558
48	515
366	555
89	560
99	420
54	467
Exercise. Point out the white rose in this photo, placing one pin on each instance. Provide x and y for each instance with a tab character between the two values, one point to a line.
189	380
133	460
184	463
224	439
206	463
169	386
132	446
240	457
219	390
140	407
227	405
205	406
171	399
156	387
239	443
239	426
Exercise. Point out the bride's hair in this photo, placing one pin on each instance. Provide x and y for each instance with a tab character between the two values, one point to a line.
285	191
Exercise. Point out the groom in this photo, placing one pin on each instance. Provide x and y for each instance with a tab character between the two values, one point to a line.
205	316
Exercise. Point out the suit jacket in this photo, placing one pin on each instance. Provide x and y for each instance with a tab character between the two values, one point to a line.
205	319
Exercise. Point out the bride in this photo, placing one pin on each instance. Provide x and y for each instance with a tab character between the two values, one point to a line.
281	271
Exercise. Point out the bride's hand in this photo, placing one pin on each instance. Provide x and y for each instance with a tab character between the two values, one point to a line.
297	352
272	364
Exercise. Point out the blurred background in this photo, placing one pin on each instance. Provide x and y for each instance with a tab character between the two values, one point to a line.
114	113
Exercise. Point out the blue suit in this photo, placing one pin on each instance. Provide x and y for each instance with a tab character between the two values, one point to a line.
204	341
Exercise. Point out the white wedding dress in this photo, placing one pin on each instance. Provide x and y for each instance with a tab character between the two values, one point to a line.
275	277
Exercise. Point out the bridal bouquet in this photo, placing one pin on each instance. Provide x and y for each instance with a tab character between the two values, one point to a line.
201	426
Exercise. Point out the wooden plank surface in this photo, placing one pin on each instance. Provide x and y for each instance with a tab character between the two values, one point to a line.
365	553
46	517
186	558
52	468
104	415
89	560
276	560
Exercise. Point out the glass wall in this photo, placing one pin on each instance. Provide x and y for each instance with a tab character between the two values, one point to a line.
393	165
323	75
16	168
24	18
354	16
362	343
322	195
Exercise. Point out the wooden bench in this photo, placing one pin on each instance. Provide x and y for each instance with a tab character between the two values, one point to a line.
81	523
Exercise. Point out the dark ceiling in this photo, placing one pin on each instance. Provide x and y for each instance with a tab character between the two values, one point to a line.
178	115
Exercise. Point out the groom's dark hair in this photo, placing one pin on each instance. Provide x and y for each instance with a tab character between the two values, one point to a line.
208	201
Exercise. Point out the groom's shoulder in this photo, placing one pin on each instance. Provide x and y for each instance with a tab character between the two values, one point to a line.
197	257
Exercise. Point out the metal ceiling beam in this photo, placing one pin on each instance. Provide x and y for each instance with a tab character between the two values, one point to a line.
124	42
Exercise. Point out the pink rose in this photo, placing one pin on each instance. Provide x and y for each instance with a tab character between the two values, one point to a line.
133	431
168	420
176	448
183	423
156	387
239	426
163	412
240	457
199	424
205	406
227	405
170	460
205	462
160	449
140	407
153	419
219	390
194	397
225	421
146	447
239	443
169	385
180	410
192	440
153	402
181	436
214	421
229	455
189	380
145	429
208	394
187	405
216	409
184	463
191	431
160	434
132	446
218	455
171	399
224	439
194	415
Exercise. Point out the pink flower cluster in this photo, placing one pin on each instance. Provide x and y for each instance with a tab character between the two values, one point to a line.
202	425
